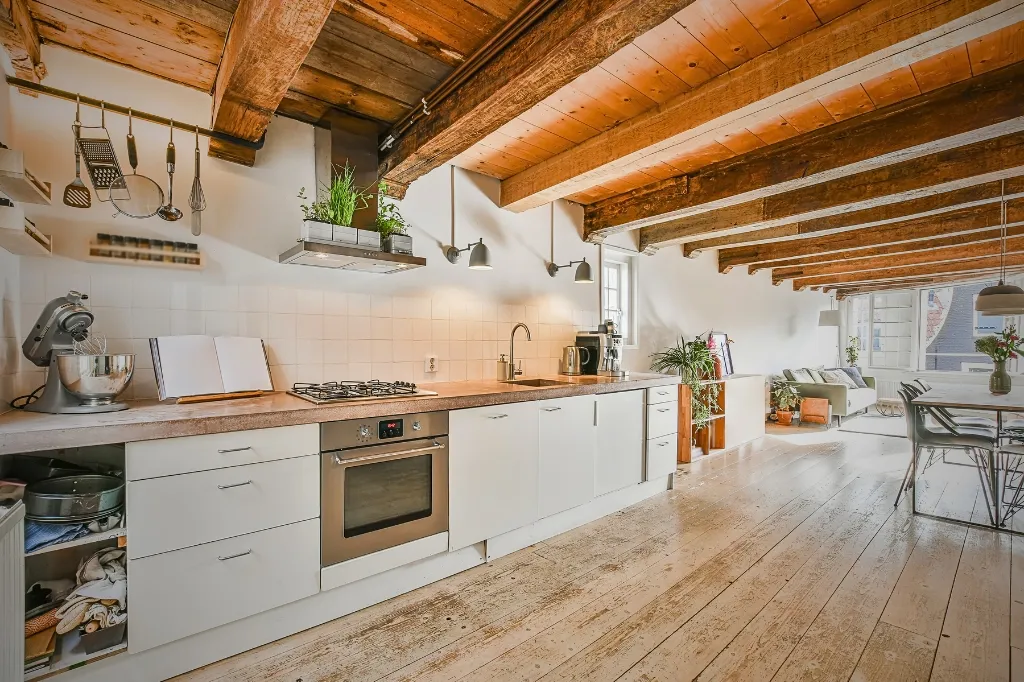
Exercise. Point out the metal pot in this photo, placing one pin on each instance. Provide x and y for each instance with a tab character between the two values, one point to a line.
74	499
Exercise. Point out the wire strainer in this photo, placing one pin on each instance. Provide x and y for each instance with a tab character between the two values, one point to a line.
136	196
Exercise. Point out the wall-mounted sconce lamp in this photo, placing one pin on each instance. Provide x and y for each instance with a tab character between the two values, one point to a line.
583	272
479	256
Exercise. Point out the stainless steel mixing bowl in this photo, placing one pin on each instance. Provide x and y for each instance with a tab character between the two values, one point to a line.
96	379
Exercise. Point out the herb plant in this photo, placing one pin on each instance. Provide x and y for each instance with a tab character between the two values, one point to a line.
336	203
389	218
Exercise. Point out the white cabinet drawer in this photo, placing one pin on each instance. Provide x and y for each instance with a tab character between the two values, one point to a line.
178	594
662	394
662	419
661	457
173	512
170	456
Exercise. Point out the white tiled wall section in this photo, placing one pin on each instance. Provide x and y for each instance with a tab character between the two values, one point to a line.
314	335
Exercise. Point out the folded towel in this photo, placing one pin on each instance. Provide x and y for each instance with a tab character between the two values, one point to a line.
39	535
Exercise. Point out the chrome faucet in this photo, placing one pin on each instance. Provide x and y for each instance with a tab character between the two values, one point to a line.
514	371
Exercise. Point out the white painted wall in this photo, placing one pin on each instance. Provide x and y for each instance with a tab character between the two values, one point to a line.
321	324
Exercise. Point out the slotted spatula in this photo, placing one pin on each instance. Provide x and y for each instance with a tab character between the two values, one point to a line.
76	194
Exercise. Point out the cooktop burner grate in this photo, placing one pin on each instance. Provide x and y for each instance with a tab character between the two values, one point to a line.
333	391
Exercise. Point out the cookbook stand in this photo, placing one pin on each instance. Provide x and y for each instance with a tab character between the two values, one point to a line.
212	397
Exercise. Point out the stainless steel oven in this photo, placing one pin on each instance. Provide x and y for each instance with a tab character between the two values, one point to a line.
384	482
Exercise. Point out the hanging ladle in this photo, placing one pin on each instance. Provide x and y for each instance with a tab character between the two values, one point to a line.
169	212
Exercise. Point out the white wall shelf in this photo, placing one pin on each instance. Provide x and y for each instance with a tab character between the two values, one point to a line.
18	183
20	236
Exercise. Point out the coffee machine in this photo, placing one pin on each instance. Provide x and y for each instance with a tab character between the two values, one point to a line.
605	351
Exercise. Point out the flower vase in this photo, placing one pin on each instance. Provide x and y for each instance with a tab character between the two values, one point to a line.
999	381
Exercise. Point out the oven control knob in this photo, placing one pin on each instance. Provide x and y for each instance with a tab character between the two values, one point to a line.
416	426
364	431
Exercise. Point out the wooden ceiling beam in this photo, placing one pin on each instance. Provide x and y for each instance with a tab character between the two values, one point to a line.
886	214
952	169
842	292
947	254
570	39
20	38
941	119
963	224
870	41
972	265
266	44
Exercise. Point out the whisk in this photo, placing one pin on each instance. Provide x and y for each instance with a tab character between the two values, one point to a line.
197	200
92	345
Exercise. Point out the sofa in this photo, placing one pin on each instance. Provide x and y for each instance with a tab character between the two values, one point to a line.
843	400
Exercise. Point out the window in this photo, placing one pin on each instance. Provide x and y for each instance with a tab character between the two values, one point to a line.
883	326
618	291
950	325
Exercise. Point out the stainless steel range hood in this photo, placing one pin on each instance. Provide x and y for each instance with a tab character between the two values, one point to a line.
352	141
324	255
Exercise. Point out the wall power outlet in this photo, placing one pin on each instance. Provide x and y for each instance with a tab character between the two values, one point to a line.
430	364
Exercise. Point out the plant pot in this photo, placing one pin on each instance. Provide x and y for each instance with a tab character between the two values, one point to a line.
999	381
339	234
785	417
398	243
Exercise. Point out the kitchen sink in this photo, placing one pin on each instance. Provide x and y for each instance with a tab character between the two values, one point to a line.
538	383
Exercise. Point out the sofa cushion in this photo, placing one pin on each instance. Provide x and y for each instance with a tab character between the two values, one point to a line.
801	376
816	375
837	376
854	374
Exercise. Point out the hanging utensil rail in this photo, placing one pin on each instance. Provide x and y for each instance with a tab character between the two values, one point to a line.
23	84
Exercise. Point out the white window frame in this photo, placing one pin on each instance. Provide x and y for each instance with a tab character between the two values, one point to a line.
867	353
630	261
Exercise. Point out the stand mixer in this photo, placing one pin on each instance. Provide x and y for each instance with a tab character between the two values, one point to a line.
75	384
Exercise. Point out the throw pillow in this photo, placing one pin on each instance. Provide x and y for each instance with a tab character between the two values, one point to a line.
854	374
816	375
802	376
837	376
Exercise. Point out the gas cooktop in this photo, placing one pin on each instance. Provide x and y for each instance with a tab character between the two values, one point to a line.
339	391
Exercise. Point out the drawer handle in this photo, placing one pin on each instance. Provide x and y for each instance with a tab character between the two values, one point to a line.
664	409
234	485
234	556
662	392
498	416
551	409
247	447
661	445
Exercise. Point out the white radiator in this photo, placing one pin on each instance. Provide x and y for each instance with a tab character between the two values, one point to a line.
886	389
12	594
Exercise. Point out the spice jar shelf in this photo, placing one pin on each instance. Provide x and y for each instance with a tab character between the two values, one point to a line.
130	255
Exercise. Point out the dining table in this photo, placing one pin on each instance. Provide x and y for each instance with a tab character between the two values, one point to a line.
1001	471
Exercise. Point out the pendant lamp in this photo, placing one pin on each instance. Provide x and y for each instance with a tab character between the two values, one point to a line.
479	256
584	275
1003	298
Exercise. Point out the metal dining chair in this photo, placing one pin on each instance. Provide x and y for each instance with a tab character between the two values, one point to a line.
922	387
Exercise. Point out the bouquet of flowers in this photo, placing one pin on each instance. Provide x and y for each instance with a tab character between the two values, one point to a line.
1002	346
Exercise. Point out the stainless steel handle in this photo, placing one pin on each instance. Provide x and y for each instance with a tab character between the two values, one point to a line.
338	459
498	416
662	392
664	409
661	445
551	409
247	447
597	413
234	556
234	485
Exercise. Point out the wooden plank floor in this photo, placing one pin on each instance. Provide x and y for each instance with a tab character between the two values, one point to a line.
784	560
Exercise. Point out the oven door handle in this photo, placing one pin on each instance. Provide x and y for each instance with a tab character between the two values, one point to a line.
338	459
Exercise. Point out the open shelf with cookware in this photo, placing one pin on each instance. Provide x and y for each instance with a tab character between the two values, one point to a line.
75	559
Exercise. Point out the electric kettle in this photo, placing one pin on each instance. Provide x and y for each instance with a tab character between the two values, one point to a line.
571	362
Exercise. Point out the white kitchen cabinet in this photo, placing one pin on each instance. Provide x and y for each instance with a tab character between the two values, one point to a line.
661	457
567	438
619	460
492	471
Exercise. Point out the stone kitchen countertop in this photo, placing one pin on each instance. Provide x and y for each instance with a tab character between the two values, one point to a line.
150	419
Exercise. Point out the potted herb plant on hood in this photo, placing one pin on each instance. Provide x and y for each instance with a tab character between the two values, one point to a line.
392	227
1001	347
693	361
329	216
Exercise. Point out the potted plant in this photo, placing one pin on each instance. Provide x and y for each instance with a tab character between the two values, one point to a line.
694	363
1000	347
785	397
329	216
392	227
852	351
